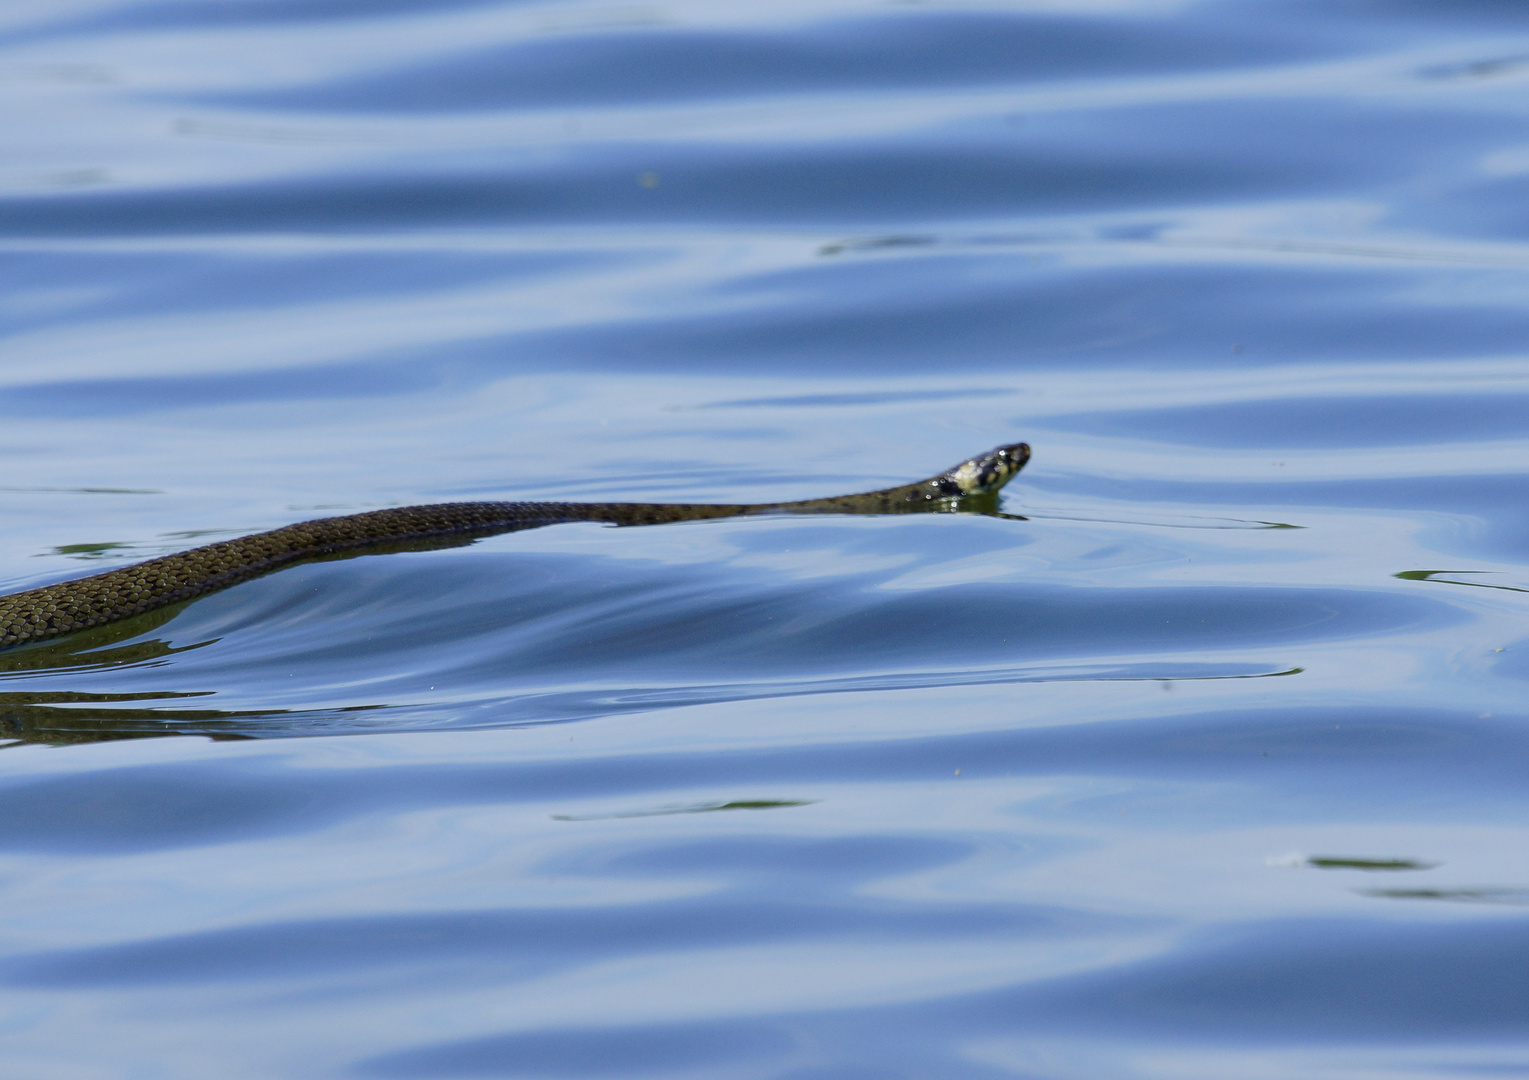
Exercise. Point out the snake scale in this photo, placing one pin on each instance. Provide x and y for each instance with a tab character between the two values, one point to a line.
54	610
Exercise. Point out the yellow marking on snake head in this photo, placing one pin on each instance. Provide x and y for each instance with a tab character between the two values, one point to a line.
991	471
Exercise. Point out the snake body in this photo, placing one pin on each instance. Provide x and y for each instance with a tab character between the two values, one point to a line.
54	610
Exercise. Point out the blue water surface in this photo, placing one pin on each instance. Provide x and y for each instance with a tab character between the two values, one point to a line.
1209	759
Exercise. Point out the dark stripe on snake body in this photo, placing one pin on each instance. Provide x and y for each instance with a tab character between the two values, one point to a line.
54	610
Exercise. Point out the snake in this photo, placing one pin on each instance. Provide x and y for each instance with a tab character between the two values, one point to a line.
79	604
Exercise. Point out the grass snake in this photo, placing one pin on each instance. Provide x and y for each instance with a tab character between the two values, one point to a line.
70	606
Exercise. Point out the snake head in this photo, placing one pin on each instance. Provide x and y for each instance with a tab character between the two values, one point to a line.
987	472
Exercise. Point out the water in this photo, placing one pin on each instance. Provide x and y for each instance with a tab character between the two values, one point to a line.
1213	765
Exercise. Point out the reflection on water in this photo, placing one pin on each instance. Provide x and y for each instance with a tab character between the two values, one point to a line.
700	808
1514	897
1331	862
1248	276
99	647
1433	575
